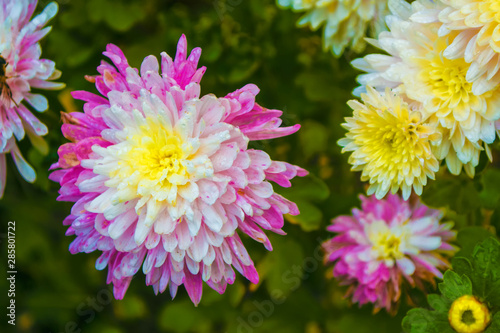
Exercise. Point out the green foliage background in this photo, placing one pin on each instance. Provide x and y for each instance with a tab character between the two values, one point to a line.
243	42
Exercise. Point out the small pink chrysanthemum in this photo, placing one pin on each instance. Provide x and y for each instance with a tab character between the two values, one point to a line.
386	243
21	69
163	178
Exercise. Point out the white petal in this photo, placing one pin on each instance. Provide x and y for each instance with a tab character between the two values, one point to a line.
406	266
189	191
211	217
426	243
141	229
121	223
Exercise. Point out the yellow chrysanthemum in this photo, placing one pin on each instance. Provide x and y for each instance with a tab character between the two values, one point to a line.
345	21
390	144
468	315
476	23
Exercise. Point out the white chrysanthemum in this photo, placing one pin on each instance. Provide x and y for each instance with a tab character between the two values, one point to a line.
345	21
390	144
417	68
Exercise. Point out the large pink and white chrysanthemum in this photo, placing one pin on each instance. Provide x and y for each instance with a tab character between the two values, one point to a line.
386	243
23	69
163	178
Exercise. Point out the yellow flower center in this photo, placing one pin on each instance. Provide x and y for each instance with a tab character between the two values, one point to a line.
387	243
468	315
447	78
153	161
156	154
395	138
450	94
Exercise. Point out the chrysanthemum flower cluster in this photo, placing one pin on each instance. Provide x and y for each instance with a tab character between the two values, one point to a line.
21	69
162	177
385	245
435	95
344	22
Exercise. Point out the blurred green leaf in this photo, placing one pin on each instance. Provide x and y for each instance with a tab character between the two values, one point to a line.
468	238
238	74
182	316
309	188
95	10
283	267
310	216
131	307
304	191
357	321
121	16
318	85
490	195
236	293
455	193
313	138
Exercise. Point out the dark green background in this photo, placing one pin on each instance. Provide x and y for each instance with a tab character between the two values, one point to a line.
243	42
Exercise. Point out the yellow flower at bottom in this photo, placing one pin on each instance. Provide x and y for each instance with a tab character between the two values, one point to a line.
468	315
391	144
